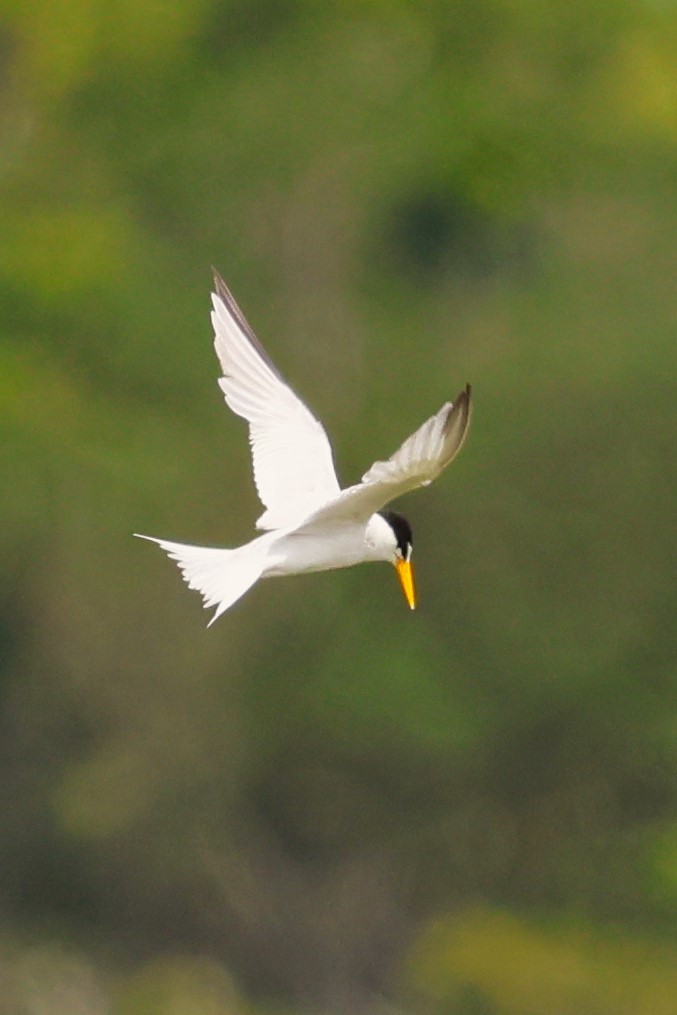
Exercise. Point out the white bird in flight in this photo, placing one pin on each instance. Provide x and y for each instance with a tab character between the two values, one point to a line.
311	523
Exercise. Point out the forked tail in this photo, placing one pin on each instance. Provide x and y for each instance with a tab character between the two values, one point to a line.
220	576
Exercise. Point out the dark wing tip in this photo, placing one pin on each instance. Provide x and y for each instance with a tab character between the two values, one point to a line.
463	400
220	286
457	422
460	407
225	295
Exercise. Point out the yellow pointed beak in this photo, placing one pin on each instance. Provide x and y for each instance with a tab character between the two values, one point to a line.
406	576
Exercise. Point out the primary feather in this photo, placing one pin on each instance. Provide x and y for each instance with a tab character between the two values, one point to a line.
293	468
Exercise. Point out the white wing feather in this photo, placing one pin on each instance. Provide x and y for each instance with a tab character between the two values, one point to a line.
293	468
417	462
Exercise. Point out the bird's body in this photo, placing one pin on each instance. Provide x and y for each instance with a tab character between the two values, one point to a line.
294	551
312	525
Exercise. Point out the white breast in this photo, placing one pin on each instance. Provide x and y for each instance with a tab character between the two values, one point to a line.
340	545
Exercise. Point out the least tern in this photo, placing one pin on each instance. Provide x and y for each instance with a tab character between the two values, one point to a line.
310	523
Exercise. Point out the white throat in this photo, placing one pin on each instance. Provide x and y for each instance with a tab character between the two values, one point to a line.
380	539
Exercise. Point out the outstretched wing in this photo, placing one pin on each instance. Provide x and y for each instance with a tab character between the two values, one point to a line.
293	468
418	461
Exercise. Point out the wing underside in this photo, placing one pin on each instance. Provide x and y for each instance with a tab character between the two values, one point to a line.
419	460
291	455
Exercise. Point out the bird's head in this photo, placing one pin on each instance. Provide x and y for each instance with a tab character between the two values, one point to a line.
401	554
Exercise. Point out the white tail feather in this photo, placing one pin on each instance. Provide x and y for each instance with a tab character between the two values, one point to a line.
220	576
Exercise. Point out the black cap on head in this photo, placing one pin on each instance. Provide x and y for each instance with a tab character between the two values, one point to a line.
402	530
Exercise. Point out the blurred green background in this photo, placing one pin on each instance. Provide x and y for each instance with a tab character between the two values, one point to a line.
326	804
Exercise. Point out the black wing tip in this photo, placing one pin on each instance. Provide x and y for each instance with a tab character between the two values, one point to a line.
222	291
461	403
458	416
220	287
225	295
463	400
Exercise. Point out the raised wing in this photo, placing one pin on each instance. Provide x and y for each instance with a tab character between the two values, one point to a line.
418	461
292	459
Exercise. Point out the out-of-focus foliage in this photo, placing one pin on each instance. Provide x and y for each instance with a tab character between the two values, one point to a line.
537	969
324	803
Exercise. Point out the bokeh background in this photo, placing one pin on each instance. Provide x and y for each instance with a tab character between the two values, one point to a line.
326	804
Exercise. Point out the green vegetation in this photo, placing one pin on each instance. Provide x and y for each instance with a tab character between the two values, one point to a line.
326	804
